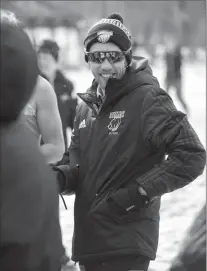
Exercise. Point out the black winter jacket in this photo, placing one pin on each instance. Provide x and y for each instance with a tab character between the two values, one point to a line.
126	144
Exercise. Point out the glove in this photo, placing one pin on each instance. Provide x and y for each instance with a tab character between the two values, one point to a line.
66	177
127	199
61	181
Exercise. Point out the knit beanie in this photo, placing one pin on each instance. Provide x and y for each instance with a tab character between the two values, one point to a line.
51	47
112	30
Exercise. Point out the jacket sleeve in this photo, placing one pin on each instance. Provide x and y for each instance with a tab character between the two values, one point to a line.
68	167
166	128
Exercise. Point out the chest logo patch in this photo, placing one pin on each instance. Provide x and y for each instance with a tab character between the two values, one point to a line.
115	121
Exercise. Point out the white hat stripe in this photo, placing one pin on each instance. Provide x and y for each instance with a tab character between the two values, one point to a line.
113	22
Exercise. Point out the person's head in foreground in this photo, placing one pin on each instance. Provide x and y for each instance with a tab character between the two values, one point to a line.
108	49
29	217
19	68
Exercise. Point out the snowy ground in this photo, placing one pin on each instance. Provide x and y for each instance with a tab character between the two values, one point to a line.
178	208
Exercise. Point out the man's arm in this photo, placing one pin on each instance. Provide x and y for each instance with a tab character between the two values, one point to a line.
166	127
49	122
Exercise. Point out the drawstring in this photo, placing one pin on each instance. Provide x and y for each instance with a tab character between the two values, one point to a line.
63	201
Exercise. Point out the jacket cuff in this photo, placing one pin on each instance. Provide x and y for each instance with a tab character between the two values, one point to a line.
147	187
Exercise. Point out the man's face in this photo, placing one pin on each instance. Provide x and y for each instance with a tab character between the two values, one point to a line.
47	63
108	68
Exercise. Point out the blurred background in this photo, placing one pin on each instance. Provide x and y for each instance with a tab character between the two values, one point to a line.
154	25
150	23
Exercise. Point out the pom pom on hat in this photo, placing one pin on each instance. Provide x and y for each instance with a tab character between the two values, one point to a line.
110	29
116	16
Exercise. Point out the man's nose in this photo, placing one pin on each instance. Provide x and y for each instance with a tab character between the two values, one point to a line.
106	65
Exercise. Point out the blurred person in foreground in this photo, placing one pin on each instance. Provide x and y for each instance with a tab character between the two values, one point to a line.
29	210
173	77
48	58
116	166
42	117
192	255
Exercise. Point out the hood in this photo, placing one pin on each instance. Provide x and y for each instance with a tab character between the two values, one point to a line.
137	75
142	73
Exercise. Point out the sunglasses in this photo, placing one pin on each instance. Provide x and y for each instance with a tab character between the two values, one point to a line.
99	57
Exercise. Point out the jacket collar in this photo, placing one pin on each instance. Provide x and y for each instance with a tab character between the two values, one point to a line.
114	90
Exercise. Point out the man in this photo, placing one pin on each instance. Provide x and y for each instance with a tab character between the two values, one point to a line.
192	255
48	58
123	130
29	214
173	61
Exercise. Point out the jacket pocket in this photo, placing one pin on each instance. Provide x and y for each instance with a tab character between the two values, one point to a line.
122	215
102	207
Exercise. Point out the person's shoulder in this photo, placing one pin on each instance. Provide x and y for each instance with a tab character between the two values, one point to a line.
44	90
152	90
153	95
42	83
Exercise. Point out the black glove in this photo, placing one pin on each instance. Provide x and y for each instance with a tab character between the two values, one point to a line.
61	181
66	177
127	199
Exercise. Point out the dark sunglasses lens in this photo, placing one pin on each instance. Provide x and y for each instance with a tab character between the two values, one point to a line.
95	57
99	57
114	56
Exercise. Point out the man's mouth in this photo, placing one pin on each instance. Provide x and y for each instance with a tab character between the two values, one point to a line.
108	75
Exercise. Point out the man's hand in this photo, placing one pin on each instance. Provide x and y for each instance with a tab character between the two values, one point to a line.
66	177
127	199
